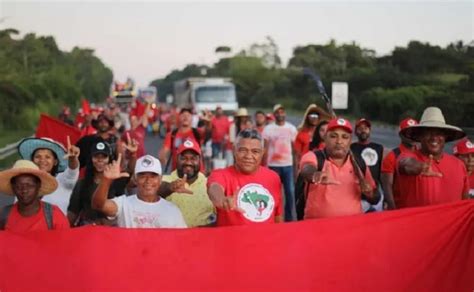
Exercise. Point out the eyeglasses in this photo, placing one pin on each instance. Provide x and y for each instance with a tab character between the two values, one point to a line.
313	116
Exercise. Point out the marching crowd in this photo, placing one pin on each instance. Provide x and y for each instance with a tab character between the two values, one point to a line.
216	171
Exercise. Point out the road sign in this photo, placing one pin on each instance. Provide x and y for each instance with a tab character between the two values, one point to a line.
340	95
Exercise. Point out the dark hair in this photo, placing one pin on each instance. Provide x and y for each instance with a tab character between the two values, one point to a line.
186	109
259	112
55	168
249	134
316	141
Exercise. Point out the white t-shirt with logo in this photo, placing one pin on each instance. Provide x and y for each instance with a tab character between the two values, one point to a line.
280	139
135	213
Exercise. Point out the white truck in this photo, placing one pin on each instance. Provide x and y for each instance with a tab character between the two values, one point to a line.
205	94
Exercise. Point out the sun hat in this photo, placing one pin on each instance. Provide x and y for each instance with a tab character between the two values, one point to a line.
339	123
433	118
148	163
313	108
48	183
463	147
102	116
189	145
28	146
242	112
277	107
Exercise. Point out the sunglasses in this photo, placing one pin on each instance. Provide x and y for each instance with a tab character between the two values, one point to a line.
313	116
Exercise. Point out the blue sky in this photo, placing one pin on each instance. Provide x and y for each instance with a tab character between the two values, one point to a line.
146	40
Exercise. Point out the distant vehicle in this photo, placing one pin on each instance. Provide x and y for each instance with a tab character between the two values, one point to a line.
124	92
205	94
148	94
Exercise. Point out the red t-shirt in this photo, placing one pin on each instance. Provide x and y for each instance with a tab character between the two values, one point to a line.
419	190
259	194
17	223
471	185
220	128
302	141
388	166
138	134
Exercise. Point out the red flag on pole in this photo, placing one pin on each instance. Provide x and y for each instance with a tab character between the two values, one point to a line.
57	130
86	108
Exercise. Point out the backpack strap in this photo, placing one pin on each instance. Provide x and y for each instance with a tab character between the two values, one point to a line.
321	158
196	135
48	215
397	152
168	162
4	216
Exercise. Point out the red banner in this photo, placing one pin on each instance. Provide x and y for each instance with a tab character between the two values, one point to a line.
420	249
57	130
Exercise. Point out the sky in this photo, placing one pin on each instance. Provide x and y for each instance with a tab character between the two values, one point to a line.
147	40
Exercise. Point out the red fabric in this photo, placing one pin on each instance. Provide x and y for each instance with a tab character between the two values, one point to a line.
138	110
302	141
233	181
399	250
17	223
220	128
86	108
57	130
139	135
418	190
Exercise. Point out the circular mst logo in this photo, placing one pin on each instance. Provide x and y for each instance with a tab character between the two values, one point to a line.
370	156
256	201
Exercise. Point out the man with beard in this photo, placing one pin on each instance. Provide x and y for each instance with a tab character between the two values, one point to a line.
246	192
145	209
104	126
279	138
429	176
260	121
388	177
337	186
28	184
189	185
372	153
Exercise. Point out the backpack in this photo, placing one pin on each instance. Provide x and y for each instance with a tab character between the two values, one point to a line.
48	215
301	187
397	152
196	135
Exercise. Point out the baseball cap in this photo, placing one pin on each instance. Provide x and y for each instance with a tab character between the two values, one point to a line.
463	147
363	120
148	163
189	145
408	122
101	147
340	123
277	107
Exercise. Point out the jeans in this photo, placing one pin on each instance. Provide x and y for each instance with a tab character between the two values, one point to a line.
286	177
217	149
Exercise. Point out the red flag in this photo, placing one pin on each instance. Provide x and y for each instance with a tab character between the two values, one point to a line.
57	130
86	108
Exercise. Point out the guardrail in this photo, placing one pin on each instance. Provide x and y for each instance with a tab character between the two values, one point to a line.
9	149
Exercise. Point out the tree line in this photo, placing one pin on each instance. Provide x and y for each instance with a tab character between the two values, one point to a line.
36	76
386	88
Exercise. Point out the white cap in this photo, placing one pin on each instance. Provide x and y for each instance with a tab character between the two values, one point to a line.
148	163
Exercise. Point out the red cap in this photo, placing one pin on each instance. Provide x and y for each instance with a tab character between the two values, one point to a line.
189	145
464	147
340	123
270	117
408	122
363	120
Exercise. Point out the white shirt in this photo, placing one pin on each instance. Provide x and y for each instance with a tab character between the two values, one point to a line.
280	139
135	213
66	182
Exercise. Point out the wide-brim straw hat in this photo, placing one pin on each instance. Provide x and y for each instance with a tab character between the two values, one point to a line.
242	112
29	145
432	118
48	183
313	108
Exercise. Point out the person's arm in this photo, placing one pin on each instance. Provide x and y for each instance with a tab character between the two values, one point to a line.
411	166
387	187
99	198
176	186
220	200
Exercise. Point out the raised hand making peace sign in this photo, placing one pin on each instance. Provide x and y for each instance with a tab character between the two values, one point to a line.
72	154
